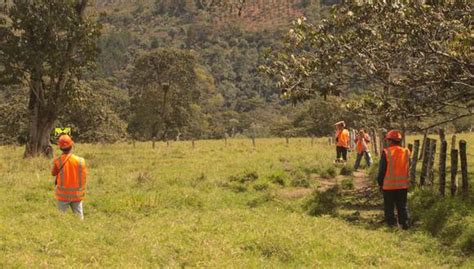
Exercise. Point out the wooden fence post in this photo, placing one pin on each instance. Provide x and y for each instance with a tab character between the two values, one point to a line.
453	142
424	165
442	167
153	142
432	154
463	157
383	133
442	135
312	140
454	171
287	141
414	161
193	143
374	142
424	145
330	140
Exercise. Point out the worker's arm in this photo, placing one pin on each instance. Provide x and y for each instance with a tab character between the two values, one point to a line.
55	170
382	169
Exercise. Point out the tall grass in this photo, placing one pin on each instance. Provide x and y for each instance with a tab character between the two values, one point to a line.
177	206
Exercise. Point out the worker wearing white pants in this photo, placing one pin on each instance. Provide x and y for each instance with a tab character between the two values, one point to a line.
75	206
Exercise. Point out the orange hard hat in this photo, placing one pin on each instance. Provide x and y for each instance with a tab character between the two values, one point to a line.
65	141
394	135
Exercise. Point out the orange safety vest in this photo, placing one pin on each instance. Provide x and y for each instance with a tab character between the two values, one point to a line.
362	144
398	165
71	179
342	138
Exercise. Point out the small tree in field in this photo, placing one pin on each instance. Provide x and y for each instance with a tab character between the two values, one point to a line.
163	87
46	44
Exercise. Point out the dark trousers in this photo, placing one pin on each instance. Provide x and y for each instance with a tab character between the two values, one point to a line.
341	152
366	155
398	199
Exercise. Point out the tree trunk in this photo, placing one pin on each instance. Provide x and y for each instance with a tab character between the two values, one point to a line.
442	167
41	121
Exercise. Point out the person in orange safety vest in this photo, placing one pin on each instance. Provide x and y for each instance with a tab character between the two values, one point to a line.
342	142
70	172
393	179
362	146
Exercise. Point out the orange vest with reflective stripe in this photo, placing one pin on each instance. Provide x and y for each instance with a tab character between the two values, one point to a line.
398	165
342	138
71	180
362	144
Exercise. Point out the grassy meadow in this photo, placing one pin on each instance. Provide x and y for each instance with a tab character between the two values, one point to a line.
211	206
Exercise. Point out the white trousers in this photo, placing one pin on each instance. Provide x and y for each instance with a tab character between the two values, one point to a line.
75	206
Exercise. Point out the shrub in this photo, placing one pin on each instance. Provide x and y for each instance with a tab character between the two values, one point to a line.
261	186
347	184
237	187
450	219
266	197
323	203
279	178
299	179
465	240
346	171
312	169
249	176
329	172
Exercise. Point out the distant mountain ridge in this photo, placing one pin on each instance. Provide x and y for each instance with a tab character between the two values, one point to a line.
254	13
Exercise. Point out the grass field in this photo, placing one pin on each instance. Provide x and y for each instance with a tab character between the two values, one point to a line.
211	206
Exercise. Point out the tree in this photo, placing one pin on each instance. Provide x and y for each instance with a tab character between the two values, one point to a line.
46	44
410	61
163	89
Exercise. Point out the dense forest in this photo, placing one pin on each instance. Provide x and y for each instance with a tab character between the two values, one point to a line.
205	80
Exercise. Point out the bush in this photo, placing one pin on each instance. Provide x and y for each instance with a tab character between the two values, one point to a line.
450	219
323	203
249	176
299	179
261	186
312	169
347	184
346	171
300	182
329	172
279	178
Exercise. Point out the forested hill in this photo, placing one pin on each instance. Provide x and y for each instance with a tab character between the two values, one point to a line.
230	42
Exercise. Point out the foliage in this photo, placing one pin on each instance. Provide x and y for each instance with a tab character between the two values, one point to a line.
323	202
163	91
346	171
46	45
13	115
410	69
101	114
450	219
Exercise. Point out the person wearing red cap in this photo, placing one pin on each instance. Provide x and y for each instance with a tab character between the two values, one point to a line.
70	172
393	179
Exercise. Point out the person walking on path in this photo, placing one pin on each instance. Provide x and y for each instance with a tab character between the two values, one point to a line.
70	172
362	146
393	179
342	142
